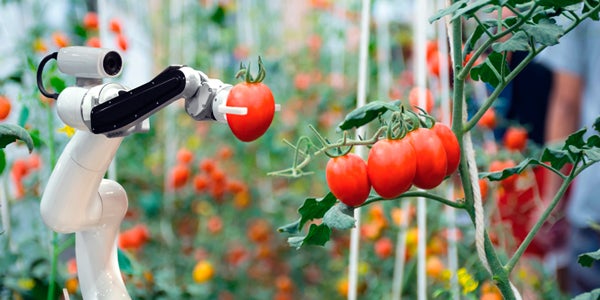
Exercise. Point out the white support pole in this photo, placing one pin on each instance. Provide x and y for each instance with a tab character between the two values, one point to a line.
361	151
420	23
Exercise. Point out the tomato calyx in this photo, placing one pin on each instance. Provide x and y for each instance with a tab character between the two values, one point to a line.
248	78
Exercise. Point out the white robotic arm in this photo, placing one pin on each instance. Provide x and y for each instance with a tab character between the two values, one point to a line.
77	198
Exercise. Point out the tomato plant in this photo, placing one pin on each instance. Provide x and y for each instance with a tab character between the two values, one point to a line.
347	179
258	99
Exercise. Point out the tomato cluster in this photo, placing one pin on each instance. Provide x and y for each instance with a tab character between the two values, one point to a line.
423	158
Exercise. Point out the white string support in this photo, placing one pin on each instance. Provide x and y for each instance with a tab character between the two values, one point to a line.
419	34
360	151
399	262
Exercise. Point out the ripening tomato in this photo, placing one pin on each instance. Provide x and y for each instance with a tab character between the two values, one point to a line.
384	247
431	158
90	21
391	167
5	107
257	97
515	138
115	26
413	98
203	271
450	145
347	179
488	120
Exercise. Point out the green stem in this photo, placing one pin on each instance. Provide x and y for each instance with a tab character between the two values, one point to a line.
457	127
413	194
55	248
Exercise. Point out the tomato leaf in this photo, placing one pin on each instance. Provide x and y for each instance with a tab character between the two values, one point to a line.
367	113
593	295
448	10
485	73
475	36
10	133
587	7
545	32
587	259
470	9
317	235
518	42
557	3
124	262
556	157
292	228
500	175
340	216
315	208
2	160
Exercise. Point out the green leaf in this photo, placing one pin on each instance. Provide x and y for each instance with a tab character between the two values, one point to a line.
592	154
315	208
470	9
448	10
367	113
596	125
475	36
587	259
485	73
575	139
10	133
317	235
545	32
586	8
518	42
292	228
2	161
593	295
23	116
340	216
557	158
500	175
557	3
57	83
124	262
35	136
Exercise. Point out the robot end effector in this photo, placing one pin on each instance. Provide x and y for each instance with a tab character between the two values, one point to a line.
112	110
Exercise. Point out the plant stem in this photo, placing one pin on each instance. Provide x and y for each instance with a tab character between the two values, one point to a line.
415	194
498	272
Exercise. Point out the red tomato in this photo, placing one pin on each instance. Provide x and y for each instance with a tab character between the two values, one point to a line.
257	97
515	138
347	179
450	145
431	158
413	98
184	156
384	247
90	21
488	120
122	42
391	167
93	42
115	25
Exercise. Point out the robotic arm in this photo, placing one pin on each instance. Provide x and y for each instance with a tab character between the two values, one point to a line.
77	198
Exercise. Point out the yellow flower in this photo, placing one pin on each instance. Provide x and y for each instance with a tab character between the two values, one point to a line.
68	130
466	281
26	283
